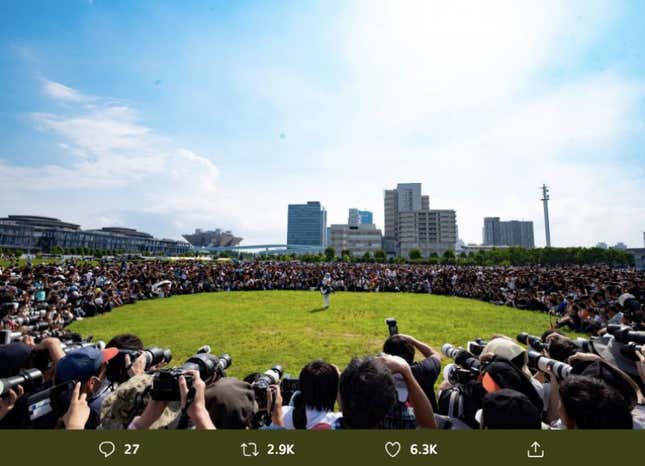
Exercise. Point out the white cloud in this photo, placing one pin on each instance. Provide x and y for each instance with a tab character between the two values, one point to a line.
63	93
118	169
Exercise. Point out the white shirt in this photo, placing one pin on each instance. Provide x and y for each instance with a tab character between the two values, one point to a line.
313	417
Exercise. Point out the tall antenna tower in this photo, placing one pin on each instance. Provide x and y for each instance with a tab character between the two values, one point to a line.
545	201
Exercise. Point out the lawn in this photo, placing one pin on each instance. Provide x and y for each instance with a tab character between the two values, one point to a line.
259	329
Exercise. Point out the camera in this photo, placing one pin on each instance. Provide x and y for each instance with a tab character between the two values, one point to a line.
165	382
534	342
476	346
29	379
455	375
117	370
540	362
630	349
7	337
391	326
624	334
462	358
263	382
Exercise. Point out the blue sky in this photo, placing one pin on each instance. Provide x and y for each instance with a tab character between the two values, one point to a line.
167	116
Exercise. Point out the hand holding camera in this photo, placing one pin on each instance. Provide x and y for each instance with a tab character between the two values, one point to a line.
193	401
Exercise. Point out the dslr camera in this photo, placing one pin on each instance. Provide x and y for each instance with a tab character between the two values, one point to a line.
165	382
262	384
391	326
117	370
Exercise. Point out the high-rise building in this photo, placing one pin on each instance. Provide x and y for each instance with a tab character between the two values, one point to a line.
508	233
358	217
307	225
357	239
411	224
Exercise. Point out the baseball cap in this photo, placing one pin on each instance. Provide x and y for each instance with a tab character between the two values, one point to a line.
83	363
612	376
509	350
508	409
231	403
129	400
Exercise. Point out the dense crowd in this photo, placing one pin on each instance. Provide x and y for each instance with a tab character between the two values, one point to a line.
50	378
585	297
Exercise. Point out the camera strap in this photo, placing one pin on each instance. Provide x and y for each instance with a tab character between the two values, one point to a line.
184	418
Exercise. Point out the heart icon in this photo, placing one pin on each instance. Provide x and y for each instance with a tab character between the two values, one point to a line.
392	448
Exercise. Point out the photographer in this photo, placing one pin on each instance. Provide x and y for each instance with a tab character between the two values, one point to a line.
193	406
368	393
425	371
313	405
88	366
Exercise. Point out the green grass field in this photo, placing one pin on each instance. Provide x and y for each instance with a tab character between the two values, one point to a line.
259	329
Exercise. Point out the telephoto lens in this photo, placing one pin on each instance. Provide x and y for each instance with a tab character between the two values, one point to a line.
155	356
538	361
449	351
28	379
625	334
7	337
534	342
165	382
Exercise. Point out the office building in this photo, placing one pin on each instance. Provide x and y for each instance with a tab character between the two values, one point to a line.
508	233
307	225
32	233
357	239
358	217
411	224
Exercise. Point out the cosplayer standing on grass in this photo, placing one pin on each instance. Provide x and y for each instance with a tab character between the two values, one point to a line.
326	290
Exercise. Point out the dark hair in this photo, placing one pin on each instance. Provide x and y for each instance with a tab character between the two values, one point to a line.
592	404
319	385
547	332
561	347
397	346
367	393
125	341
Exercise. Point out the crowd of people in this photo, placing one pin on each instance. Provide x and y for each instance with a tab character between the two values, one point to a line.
584	297
50	378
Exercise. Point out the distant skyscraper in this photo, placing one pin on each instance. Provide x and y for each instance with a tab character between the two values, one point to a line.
411	224
307	224
508	233
359	217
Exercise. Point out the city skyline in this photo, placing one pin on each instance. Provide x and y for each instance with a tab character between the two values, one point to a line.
224	114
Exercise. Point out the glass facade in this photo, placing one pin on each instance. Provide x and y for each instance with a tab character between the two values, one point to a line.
32	234
307	224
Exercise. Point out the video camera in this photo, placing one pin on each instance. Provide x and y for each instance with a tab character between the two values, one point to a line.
165	382
540	362
262	384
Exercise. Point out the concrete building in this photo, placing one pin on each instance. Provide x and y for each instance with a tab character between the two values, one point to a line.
307	225
32	233
508	233
357	239
639	257
217	238
358	217
411	224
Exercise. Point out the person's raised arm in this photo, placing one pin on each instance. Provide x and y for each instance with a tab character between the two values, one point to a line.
425	349
416	396
196	410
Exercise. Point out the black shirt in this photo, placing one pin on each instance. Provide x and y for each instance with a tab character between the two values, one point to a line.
427	372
